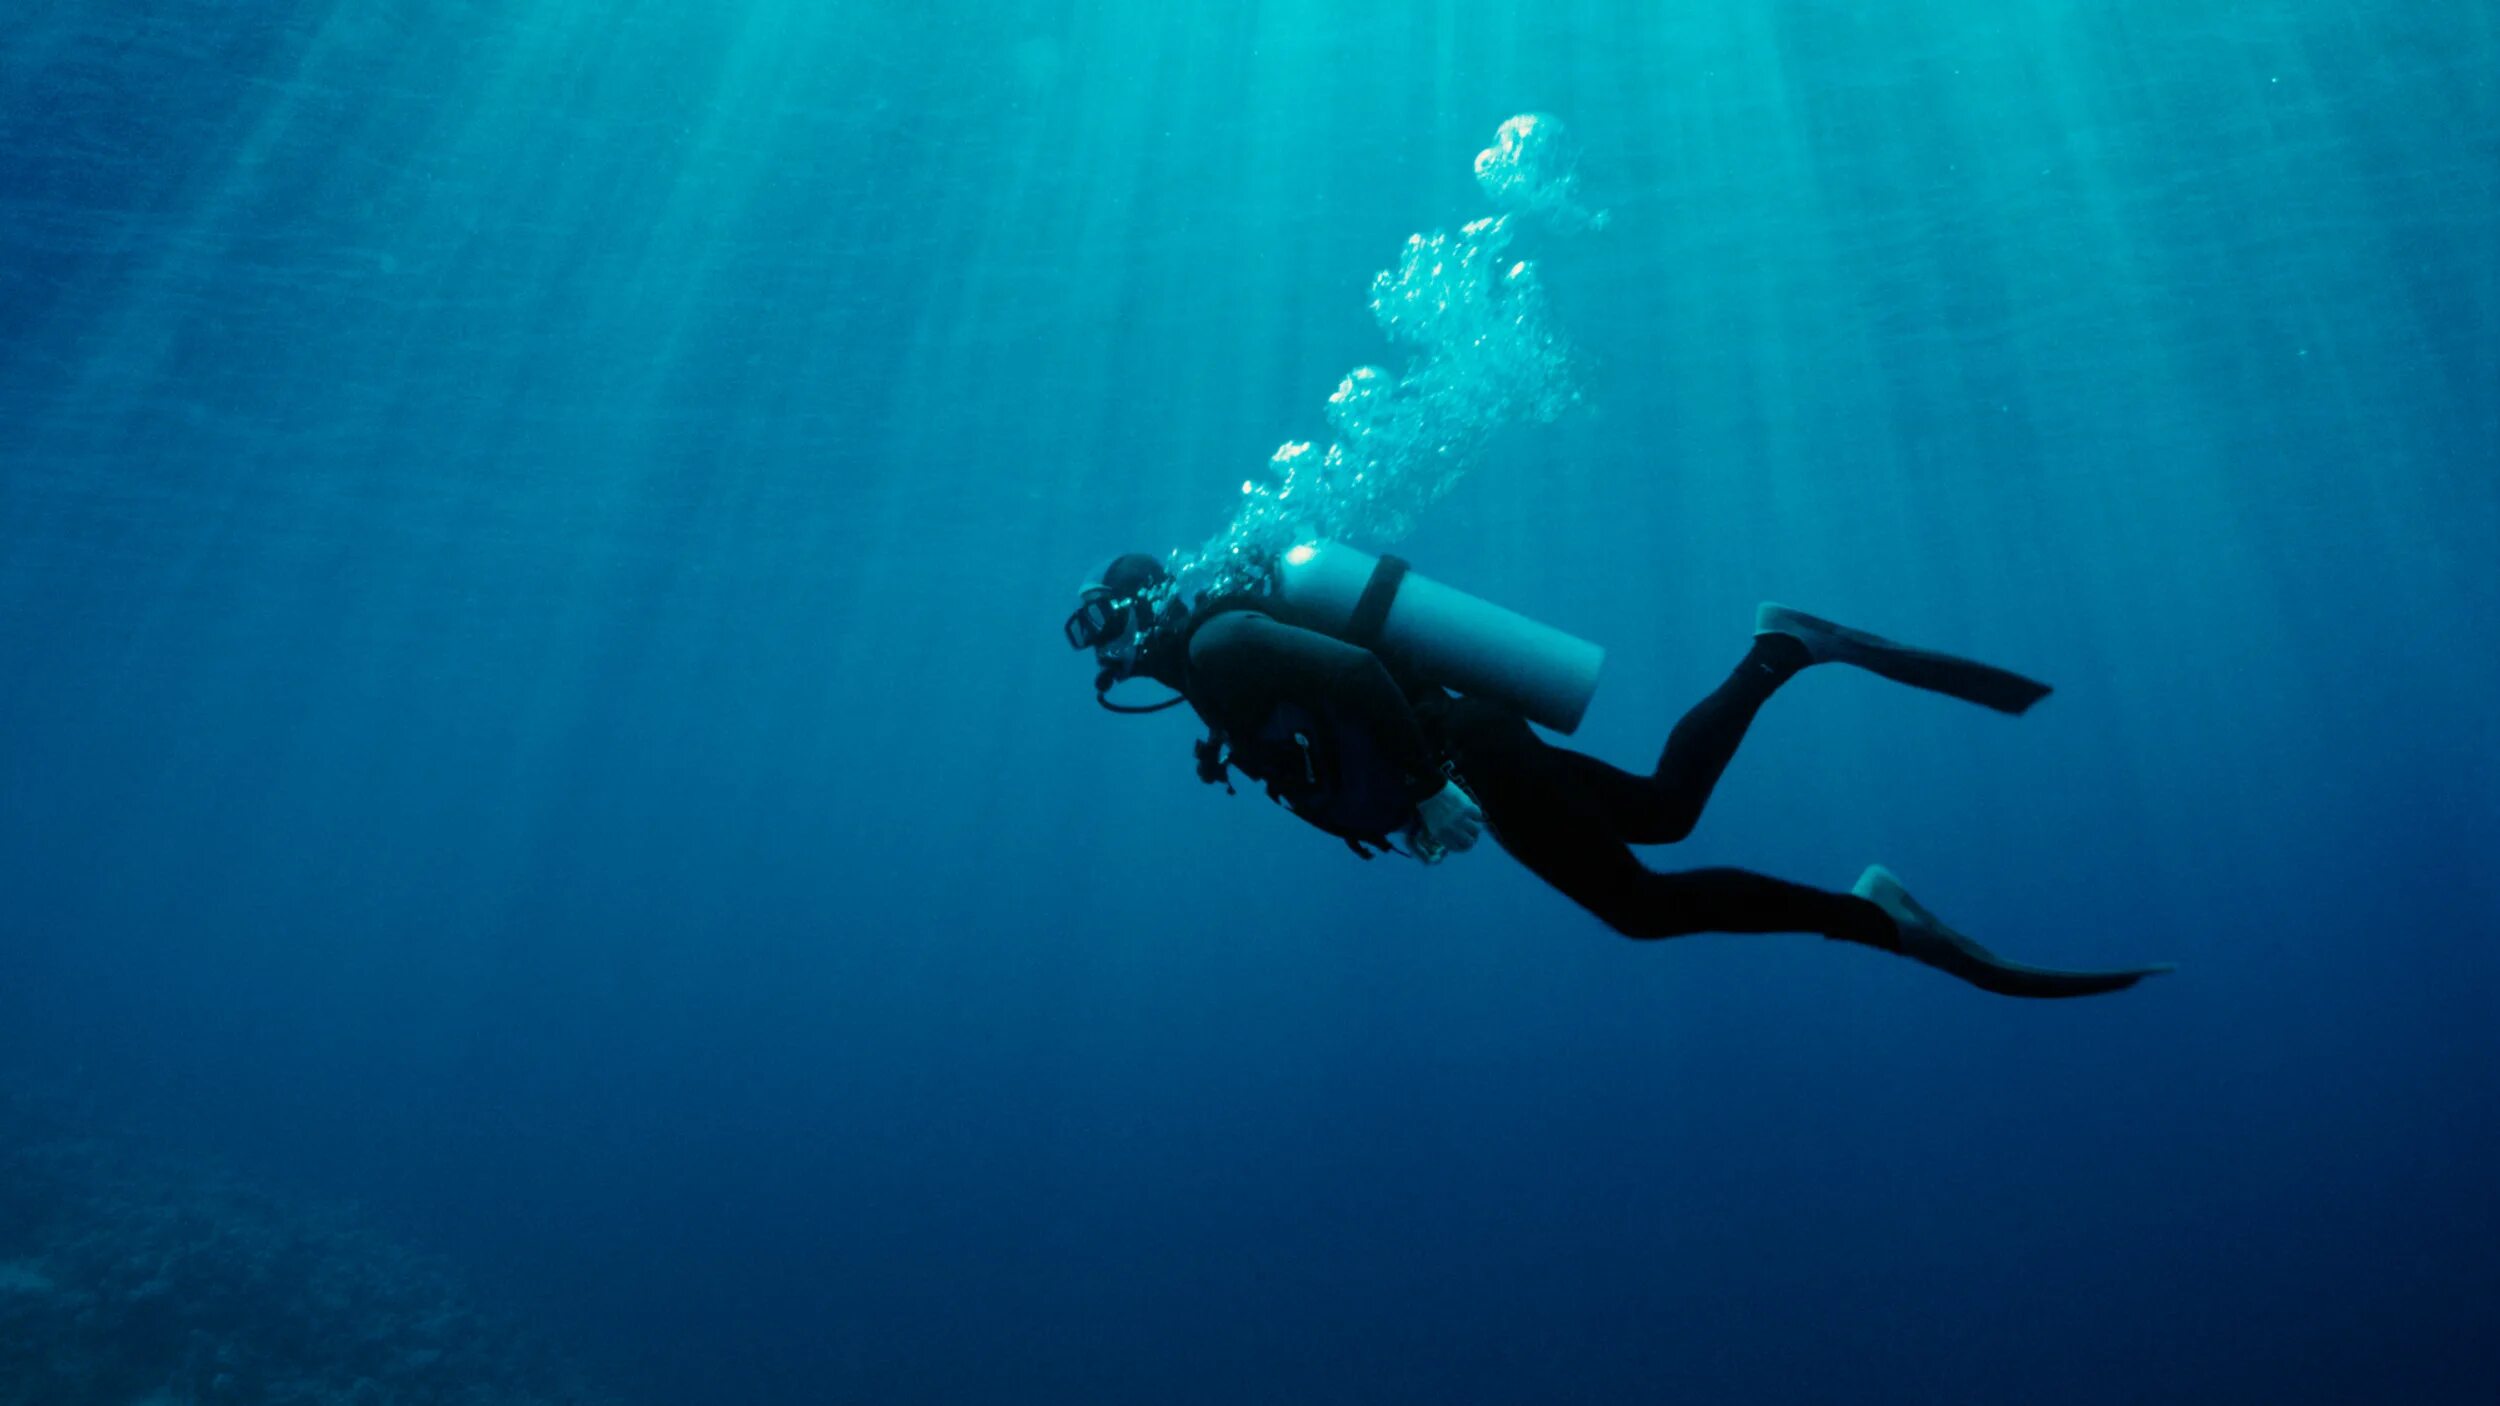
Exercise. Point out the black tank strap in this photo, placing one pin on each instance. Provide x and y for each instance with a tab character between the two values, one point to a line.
1371	610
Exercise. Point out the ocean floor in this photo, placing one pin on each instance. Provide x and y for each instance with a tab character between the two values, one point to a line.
126	1280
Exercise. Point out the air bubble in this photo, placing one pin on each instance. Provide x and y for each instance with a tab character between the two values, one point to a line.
1483	354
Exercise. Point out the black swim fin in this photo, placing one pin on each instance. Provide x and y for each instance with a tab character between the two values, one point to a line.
1926	940
1948	674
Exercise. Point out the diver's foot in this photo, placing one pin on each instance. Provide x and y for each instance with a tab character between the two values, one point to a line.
1924	937
1926	940
1824	641
1948	674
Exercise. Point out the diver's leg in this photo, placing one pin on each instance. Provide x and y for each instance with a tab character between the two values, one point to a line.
1541	809
1663	807
1572	848
1639	902
1601	874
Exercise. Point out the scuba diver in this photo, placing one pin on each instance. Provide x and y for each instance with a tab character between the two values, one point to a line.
1393	712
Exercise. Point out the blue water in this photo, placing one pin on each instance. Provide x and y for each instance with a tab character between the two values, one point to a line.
531	543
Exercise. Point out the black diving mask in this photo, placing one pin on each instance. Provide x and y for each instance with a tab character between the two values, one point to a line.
1108	626
1098	619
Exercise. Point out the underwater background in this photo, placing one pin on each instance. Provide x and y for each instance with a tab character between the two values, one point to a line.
532	537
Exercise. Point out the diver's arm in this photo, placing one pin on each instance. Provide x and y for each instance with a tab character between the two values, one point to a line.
1244	661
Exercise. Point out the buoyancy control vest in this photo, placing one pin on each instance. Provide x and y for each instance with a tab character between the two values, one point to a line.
1329	770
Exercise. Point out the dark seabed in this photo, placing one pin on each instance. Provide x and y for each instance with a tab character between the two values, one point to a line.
532	537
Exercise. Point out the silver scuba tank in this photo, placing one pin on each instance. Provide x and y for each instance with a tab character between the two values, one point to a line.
1443	634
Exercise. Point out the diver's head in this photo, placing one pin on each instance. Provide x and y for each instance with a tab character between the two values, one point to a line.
1115	615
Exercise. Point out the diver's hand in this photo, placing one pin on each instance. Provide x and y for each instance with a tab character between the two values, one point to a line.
1449	819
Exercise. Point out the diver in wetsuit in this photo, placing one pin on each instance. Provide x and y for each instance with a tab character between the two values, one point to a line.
1366	750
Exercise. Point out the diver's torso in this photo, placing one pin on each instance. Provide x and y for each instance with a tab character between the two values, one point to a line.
1326	763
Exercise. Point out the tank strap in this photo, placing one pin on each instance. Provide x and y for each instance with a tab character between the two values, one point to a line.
1371	611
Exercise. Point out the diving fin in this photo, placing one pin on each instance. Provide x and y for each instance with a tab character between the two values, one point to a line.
1948	674
1926	940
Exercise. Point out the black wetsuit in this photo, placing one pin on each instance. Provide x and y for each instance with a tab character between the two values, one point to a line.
1570	818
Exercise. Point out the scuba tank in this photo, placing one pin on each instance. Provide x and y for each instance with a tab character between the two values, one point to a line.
1440	633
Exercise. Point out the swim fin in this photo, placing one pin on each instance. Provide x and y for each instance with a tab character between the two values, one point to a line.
1926	940
1948	674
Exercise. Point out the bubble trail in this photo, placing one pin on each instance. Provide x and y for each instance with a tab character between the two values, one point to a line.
1484	355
